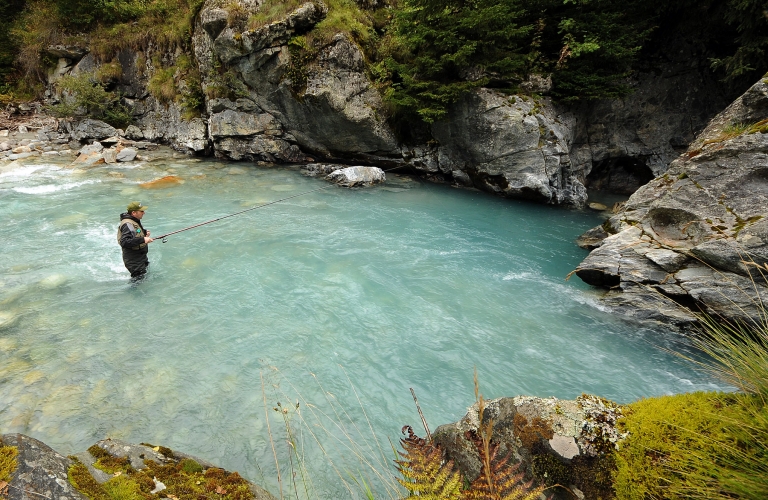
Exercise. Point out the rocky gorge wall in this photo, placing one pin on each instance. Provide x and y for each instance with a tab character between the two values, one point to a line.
259	104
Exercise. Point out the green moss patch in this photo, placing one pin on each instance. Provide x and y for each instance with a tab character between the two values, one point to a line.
697	445
185	480
8	462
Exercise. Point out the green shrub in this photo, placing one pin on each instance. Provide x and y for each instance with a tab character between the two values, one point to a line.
83	95
162	84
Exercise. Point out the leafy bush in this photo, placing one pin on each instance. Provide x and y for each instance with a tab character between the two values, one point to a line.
83	95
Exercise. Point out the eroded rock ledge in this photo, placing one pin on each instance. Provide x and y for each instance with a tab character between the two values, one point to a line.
693	239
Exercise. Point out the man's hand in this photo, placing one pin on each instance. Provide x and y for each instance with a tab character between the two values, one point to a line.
147	239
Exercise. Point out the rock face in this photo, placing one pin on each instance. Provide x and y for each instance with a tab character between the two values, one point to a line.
262	99
695	235
559	442
41	472
514	146
622	144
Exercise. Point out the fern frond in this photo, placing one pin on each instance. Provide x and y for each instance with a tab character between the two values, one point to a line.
505	482
425	473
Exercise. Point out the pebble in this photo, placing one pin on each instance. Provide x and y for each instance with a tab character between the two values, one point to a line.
597	206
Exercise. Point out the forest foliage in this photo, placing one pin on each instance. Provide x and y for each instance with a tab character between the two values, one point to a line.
424	54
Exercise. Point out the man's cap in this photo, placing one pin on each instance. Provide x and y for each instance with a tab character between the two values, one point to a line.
136	206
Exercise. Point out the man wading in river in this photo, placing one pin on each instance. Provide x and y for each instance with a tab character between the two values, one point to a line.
134	240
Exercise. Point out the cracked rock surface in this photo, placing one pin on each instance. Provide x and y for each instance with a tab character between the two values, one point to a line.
696	237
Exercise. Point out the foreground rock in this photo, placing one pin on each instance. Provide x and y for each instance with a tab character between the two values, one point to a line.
693	238
42	472
561	443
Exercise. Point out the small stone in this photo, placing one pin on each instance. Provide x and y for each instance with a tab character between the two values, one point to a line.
110	140
51	153
21	149
110	155
126	154
4	133
23	129
19	156
597	206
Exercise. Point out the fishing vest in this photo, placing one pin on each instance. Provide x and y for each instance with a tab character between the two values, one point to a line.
136	227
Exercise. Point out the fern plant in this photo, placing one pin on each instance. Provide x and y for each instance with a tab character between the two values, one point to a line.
424	471
499	480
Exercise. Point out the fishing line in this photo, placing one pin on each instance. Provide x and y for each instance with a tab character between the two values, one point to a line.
164	237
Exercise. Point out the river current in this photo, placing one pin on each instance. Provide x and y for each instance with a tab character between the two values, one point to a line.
341	301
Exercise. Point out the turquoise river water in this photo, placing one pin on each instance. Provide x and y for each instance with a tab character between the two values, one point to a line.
340	300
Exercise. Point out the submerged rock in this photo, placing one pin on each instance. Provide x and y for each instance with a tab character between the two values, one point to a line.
357	176
162	182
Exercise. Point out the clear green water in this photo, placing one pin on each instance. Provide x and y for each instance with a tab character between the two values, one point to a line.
353	296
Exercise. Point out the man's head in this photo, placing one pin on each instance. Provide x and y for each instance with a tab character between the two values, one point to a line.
136	209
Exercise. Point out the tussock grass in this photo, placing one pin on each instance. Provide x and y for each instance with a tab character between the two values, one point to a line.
344	436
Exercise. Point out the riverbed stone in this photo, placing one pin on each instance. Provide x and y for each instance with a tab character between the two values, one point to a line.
126	154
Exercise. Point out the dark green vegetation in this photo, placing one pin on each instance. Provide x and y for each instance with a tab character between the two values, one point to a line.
184	480
422	53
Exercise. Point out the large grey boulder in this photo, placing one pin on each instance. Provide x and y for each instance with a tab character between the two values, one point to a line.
695	236
41	472
512	145
92	129
357	176
565	444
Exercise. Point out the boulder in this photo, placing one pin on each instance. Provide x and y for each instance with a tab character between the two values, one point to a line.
565	444
357	176
698	234
94	147
126	154
41	472
92	129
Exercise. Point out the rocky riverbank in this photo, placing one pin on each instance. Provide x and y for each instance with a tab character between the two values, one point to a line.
137	471
696	237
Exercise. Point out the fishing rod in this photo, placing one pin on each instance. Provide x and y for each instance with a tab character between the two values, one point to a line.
164	237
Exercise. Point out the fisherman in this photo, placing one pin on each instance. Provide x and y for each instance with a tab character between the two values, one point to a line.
134	240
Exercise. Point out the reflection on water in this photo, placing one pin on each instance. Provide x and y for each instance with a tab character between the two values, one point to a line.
353	295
